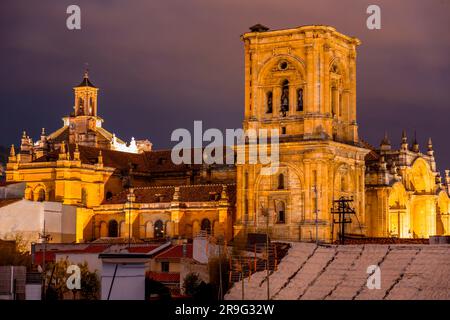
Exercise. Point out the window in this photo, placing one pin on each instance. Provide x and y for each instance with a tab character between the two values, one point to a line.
206	226
283	130
333	101
113	229
283	65
109	195
343	184
300	99
80	106
284	98
281	181
158	229
281	212
269	102
165	266
246	180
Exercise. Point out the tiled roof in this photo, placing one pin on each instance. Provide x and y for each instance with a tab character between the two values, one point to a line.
176	252
148	162
86	83
143	249
188	193
164	276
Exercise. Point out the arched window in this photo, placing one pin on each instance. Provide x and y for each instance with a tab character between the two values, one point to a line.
284	97
269	102
281	212
300	99
344	184
281	181
41	195
158	229
206	226
113	229
91	106
80	106
334	93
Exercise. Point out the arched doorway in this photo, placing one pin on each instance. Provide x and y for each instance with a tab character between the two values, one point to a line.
40	195
158	230
113	229
206	226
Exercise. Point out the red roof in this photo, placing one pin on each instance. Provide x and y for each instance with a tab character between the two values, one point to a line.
164	276
176	252
144	249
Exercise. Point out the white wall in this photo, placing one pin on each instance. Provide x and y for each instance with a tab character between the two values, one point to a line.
129	283
33	291
26	218
11	191
94	263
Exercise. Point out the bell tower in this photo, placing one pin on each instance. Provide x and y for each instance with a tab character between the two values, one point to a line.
84	122
85	93
301	81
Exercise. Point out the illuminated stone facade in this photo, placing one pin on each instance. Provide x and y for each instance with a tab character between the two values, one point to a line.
84	165
301	81
405	195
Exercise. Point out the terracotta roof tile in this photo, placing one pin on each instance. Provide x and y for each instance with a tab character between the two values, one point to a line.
143	249
164	276
176	252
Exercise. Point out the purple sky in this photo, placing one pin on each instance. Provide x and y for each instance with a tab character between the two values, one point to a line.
162	64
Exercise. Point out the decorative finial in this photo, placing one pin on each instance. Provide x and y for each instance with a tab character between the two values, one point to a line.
385	143
63	148
76	154
430	151
404	145
43	132
224	195
438	178
415	146
100	157
12	152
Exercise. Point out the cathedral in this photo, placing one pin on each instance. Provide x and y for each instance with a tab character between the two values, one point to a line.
300	81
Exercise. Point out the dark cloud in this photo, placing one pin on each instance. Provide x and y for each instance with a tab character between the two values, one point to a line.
162	64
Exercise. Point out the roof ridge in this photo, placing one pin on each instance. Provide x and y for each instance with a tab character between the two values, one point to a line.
185	185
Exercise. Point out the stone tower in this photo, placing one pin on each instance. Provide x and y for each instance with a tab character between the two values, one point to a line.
302	81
